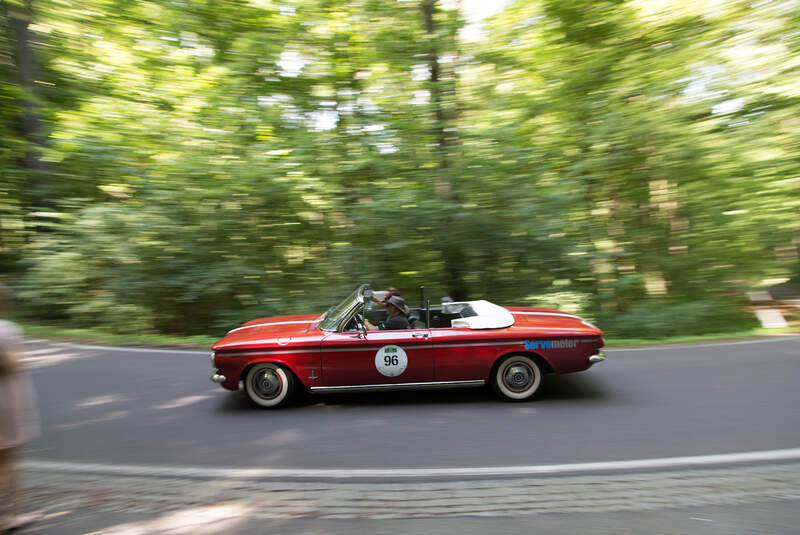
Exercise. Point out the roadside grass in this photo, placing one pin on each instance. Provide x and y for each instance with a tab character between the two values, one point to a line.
699	338
92	336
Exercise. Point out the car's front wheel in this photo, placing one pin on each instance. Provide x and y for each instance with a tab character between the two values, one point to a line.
269	385
517	377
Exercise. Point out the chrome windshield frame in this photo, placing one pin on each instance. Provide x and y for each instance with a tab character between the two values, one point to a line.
334	318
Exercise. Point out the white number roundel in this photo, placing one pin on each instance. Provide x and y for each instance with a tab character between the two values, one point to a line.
391	361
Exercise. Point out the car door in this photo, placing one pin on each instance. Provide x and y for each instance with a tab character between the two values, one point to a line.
377	357
463	354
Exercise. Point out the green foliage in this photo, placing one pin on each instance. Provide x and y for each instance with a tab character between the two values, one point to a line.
206	163
656	319
570	302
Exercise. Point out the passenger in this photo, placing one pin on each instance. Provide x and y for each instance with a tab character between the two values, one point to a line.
389	292
397	319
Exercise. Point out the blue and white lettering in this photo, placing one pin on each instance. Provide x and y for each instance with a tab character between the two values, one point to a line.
550	344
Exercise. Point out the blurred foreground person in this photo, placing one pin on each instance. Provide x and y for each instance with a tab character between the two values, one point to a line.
18	419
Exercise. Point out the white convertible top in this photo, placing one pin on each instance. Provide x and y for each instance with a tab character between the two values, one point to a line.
487	315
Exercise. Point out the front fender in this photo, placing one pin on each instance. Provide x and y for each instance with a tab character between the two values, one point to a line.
305	365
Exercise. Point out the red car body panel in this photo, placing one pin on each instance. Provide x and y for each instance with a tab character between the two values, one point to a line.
264	331
349	358
330	359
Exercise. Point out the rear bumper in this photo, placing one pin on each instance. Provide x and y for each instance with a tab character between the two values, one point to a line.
599	357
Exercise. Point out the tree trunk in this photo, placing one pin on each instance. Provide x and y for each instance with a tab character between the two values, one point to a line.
31	128
452	254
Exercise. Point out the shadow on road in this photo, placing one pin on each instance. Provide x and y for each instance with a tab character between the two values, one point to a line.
571	387
556	388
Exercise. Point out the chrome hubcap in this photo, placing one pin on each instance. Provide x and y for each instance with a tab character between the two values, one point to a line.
518	377
267	384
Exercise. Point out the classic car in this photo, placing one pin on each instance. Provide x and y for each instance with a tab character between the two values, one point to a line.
455	344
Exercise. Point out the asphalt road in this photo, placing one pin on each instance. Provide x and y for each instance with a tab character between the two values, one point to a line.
156	407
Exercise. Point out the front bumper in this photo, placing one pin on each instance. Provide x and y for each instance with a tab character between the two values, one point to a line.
599	357
217	378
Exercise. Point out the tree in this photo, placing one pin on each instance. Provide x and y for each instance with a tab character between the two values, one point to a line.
210	162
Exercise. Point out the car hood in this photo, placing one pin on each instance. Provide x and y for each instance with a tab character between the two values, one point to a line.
278	331
550	318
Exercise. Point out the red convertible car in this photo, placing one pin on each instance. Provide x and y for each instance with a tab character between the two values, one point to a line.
471	343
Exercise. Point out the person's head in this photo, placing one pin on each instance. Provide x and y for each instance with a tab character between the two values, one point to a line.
396	305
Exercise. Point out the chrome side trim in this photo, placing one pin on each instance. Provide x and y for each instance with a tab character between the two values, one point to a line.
266	352
395	386
265	341
518	342
377	346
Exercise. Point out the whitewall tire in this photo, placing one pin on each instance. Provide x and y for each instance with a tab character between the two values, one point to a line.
269	385
517	377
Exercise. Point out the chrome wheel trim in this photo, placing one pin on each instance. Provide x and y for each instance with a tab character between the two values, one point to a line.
518	377
267	384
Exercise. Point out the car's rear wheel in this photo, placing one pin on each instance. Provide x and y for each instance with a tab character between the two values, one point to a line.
517	377
269	385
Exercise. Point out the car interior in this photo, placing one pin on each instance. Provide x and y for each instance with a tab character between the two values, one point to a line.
440	317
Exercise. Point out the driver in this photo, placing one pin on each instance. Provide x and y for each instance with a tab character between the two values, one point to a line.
397	316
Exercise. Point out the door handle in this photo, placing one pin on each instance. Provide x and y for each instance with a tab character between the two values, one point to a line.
419	335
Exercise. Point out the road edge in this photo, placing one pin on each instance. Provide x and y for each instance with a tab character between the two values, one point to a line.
321	474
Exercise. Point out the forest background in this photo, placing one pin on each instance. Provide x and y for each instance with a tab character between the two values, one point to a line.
179	166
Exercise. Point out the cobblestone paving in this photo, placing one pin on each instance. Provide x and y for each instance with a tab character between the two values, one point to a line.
496	497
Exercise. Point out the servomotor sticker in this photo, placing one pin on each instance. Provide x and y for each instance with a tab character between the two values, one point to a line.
391	361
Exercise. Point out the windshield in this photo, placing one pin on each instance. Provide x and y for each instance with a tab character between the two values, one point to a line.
335	315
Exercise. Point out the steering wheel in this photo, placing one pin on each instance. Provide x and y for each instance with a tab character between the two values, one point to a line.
360	320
